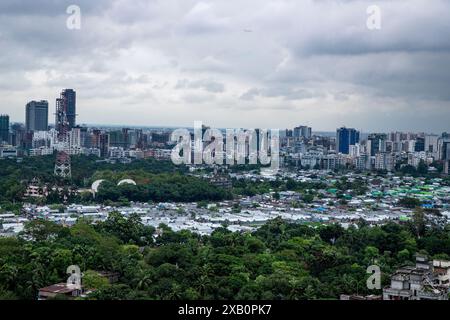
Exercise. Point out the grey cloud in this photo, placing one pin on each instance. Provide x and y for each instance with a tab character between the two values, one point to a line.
50	7
14	81
285	93
301	56
250	94
197	98
205	84
202	19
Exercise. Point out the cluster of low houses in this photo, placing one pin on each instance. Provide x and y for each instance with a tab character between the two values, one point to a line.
377	206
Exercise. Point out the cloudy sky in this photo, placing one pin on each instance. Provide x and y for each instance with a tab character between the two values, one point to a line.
246	63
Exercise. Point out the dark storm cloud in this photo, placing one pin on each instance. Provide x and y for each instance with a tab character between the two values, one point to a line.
314	57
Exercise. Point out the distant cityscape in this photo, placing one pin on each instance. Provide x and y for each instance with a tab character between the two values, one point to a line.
300	147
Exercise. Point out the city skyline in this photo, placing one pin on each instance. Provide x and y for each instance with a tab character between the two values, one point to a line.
269	64
73	120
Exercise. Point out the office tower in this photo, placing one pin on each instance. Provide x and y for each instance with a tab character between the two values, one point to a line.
444	145
419	145
289	133
444	148
36	116
85	137
346	137
395	136
377	143
75	137
389	146
302	132
18	134
409	145
4	128
431	143
70	98
103	140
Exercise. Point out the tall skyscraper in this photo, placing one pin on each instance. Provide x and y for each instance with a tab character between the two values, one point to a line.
104	144
445	148
36	116
377	143
431	143
445	152
420	144
67	102
18	135
302	132
346	137
4	128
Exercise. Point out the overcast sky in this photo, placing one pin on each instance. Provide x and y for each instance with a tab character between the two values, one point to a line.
246	63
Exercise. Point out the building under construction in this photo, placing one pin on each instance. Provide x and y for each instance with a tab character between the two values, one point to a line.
64	122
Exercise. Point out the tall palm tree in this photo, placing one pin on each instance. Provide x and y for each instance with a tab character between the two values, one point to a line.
144	281
175	293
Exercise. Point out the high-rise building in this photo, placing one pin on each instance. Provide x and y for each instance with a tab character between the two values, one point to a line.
431	143
71	97
104	144
36	116
289	133
377	143
66	103
4	128
445	148
302	132
419	146
120	138
18	134
355	150
346	137
85	137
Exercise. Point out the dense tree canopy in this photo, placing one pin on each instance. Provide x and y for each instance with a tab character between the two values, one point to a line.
156	181
279	261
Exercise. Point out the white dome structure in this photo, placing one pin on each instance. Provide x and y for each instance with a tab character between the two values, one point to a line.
126	181
96	185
